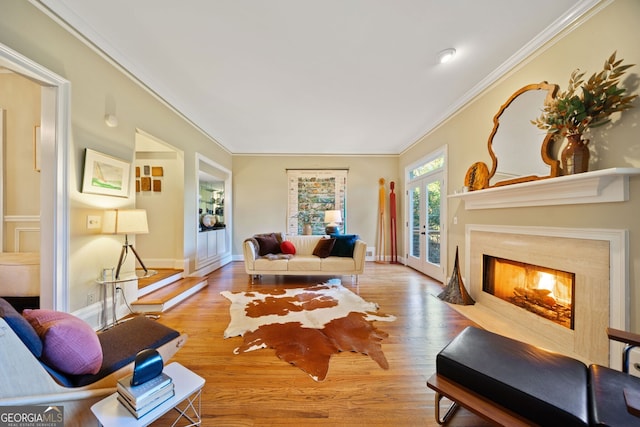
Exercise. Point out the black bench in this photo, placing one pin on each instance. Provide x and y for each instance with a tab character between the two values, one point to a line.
513	383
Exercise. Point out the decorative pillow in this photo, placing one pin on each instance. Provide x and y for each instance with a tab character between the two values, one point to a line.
268	244
287	248
323	247
344	244
21	327
69	343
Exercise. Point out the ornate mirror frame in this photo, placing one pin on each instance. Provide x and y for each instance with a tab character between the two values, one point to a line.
479	175
554	165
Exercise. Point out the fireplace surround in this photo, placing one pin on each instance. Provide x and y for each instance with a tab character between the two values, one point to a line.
597	257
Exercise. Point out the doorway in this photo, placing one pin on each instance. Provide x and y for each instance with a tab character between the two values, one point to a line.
54	188
425	235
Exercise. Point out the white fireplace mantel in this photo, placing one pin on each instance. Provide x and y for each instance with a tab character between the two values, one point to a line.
607	185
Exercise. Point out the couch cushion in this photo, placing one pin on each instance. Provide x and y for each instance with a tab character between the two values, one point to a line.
305	263
323	247
21	327
69	343
606	394
287	247
334	263
304	244
544	387
121	343
265	264
345	244
268	244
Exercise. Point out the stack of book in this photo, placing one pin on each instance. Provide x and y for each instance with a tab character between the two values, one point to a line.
143	398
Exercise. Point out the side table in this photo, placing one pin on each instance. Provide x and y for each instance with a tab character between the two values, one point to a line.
113	283
186	401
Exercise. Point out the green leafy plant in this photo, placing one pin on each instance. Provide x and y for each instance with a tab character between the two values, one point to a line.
587	105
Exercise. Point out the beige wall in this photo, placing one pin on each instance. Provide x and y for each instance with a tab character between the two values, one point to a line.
97	88
20	98
260	192
586	47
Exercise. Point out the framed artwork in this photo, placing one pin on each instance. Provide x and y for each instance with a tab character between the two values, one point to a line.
311	192
145	183
105	175
157	171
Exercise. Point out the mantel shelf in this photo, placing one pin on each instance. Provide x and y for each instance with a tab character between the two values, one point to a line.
601	186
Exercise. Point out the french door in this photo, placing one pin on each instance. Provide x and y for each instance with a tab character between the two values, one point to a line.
425	225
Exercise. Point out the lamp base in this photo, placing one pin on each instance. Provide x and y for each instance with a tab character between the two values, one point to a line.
332	229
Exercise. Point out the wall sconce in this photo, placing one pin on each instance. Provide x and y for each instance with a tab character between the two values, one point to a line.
126	221
111	120
332	219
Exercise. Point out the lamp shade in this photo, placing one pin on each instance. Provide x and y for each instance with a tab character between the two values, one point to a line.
332	217
125	221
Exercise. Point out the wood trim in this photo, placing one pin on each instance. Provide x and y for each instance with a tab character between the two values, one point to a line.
476	403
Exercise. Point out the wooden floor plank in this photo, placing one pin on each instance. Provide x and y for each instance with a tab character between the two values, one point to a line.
258	389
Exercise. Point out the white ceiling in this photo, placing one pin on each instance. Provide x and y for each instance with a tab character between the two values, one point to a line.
316	77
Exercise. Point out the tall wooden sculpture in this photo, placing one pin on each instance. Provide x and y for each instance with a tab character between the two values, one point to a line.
380	245
392	224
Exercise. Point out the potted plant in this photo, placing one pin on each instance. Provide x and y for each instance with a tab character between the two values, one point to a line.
582	106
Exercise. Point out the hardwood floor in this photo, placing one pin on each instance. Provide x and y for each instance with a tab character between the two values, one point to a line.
258	389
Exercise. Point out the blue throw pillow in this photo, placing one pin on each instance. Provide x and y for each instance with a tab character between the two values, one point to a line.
344	244
21	327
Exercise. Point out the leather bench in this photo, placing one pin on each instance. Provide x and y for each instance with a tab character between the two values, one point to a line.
514	383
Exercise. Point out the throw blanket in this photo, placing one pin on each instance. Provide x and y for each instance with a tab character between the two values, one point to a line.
306	326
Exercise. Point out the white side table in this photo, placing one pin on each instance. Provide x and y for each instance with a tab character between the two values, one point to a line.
113	283
186	401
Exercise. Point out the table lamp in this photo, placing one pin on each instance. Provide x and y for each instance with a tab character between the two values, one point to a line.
332	219
126	221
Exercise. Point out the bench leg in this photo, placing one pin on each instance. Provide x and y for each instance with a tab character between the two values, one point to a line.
450	410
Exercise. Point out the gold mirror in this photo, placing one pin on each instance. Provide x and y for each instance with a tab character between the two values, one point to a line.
519	151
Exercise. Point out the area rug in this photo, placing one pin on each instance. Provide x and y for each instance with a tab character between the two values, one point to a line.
306	326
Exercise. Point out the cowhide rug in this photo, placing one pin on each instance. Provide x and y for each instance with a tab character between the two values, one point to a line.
306	326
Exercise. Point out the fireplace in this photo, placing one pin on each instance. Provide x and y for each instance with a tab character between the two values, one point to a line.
546	292
591	264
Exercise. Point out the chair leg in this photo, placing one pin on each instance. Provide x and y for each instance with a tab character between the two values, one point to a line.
450	410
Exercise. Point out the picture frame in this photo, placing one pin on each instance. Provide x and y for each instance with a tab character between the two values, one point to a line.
105	175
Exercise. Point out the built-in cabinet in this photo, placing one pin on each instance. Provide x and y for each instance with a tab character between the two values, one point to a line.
211	245
213	233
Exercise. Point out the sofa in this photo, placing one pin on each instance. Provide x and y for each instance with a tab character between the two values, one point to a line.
55	358
279	254
513	383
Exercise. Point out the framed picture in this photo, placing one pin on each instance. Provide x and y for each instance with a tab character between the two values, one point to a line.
105	175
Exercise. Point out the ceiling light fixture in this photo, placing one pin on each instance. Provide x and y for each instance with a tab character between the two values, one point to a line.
446	55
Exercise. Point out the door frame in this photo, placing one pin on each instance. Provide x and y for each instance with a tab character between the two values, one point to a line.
54	186
409	183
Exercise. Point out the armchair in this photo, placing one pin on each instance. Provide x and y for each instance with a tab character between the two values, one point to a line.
26	380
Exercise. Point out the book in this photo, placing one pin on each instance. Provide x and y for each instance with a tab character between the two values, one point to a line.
141	411
139	403
138	394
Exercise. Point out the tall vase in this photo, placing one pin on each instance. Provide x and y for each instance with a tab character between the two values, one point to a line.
307	230
575	156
